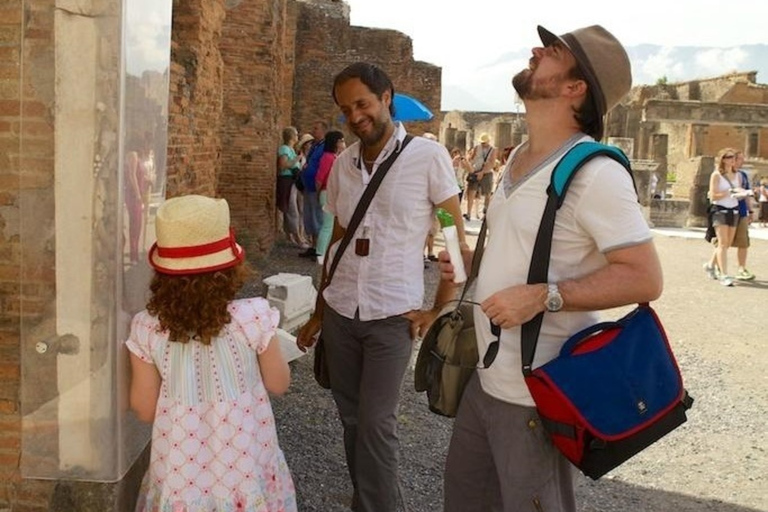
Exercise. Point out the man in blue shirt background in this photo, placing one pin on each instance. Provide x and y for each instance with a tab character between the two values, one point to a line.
313	213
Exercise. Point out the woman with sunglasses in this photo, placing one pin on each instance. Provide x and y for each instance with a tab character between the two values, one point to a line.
723	192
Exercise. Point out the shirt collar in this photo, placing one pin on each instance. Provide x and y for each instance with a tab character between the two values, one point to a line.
395	142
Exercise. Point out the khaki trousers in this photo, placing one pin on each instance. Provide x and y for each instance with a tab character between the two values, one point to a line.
500	459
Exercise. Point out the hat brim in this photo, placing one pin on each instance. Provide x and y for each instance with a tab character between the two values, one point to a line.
304	140
595	92
225	258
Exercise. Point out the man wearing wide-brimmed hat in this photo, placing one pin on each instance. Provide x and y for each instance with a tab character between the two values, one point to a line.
480	181
602	257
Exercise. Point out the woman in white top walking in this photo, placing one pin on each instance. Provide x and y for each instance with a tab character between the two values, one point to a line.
722	188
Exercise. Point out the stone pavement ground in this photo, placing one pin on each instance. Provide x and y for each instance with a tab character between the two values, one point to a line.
715	462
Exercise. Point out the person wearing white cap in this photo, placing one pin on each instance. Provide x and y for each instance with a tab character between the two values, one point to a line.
202	364
480	180
602	257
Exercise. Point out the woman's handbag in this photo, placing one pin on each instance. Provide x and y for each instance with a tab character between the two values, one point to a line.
320	366
448	354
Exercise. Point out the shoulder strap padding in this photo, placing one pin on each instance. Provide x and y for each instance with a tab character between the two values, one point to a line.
575	158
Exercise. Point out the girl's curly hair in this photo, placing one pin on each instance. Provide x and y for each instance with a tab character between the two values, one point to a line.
194	306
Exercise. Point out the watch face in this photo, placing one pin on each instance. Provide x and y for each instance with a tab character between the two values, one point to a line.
554	301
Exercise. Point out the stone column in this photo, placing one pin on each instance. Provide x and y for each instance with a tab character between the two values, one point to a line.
449	136
503	136
516	138
659	150
461	140
697	212
697	139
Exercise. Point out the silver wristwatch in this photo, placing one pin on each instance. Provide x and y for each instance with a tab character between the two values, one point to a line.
554	300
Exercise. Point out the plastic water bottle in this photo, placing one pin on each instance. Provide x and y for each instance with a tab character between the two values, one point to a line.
451	236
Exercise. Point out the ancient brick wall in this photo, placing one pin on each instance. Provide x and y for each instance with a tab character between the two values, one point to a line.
231	84
26	124
195	107
257	52
746	93
240	71
698	117
326	43
322	39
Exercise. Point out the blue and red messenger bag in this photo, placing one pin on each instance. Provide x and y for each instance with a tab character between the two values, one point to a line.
614	389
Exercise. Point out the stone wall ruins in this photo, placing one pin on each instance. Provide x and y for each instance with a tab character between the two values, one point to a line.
242	73
241	70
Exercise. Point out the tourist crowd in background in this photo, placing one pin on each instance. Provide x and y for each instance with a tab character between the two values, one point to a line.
304	164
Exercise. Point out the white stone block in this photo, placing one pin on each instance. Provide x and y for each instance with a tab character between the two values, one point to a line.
294	291
294	296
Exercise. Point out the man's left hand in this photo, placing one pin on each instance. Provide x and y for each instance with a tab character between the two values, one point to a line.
420	320
515	305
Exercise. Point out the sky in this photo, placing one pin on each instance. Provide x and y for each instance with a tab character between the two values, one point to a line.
148	34
481	44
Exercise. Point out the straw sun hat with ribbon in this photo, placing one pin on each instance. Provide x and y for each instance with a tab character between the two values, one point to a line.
194	236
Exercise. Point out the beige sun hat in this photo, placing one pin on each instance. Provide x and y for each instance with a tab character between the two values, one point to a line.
194	236
603	61
485	138
304	139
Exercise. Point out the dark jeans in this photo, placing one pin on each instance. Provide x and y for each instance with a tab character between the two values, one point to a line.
313	213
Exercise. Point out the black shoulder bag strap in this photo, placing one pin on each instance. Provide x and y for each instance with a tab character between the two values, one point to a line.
475	268
485	159
362	207
538	272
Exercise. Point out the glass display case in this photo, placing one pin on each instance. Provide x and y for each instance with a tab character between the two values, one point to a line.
90	187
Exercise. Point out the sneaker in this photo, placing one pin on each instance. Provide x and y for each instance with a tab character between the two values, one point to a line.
710	270
726	281
744	275
466	216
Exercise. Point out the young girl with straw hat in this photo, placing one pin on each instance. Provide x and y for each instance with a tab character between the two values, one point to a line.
202	364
